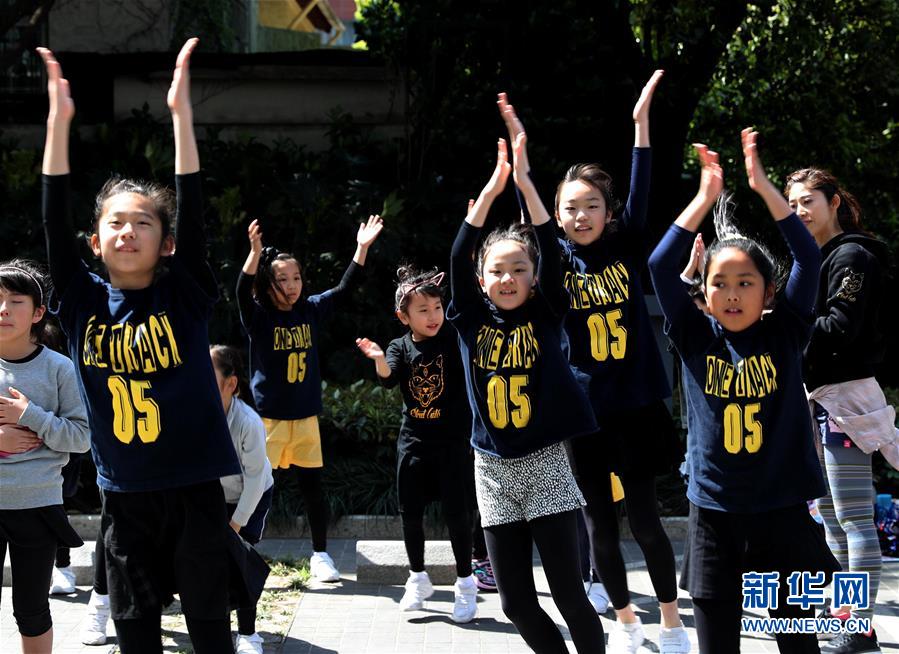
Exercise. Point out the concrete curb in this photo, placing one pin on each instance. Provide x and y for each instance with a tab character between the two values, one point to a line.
368	527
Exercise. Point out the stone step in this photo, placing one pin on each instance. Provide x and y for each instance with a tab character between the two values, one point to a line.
82	563
385	562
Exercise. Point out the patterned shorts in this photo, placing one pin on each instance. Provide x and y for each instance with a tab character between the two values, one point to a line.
525	488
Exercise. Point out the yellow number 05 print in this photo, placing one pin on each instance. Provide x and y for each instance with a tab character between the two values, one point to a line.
500	394
129	400
606	335
296	367
742	428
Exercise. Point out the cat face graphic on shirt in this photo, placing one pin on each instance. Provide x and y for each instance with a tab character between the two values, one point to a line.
426	381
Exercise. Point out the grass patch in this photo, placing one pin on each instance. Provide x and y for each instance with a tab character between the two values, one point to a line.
274	611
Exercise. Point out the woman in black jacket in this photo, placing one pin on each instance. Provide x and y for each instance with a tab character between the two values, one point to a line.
846	400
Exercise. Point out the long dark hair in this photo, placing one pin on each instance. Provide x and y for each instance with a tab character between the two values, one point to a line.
849	213
265	278
26	277
595	176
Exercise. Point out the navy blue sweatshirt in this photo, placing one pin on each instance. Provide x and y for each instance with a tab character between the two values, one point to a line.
430	376
145	374
285	375
848	340
521	389
612	348
751	443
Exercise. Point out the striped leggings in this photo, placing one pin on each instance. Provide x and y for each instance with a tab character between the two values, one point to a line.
848	513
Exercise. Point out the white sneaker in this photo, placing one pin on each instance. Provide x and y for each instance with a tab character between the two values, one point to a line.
598	596
248	644
465	605
63	581
626	638
94	630
418	589
674	641
322	567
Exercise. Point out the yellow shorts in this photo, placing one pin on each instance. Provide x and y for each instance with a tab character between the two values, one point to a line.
293	443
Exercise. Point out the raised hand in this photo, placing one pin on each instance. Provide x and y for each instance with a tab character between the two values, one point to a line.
711	180
697	254
641	109
15	439
500	176
369	348
368	231
517	138
758	178
254	233
61	106
178	97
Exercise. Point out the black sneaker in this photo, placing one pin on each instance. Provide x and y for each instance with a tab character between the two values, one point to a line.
825	614
853	644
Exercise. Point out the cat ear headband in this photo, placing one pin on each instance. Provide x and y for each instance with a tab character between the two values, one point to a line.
406	289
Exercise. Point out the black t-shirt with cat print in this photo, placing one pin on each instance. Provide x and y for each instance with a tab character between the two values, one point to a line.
432	381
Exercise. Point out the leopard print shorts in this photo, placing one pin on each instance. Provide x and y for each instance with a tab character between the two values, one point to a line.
525	488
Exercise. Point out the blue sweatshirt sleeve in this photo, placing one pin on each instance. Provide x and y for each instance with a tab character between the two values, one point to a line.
466	295
636	209
685	321
190	233
59	231
324	302
549	269
802	286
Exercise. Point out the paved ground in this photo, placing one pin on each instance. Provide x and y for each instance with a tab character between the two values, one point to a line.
353	618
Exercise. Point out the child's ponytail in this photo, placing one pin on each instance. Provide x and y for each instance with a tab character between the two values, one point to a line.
265	279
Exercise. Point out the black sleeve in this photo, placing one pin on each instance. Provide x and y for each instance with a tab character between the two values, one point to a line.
802	285
246	305
324	302
462	271
851	276
190	233
549	269
59	232
395	360
685	323
634	215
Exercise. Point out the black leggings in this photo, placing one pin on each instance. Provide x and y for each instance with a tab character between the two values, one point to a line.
478	544
511	549
718	625
32	568
459	528
144	635
601	517
310	483
101	587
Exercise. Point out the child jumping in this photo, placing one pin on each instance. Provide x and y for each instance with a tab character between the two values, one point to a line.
508	305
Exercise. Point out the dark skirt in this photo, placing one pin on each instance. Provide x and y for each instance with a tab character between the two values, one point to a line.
722	546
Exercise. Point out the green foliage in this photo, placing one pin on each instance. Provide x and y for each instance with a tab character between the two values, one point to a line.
359	427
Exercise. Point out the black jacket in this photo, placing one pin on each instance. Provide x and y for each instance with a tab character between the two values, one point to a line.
848	340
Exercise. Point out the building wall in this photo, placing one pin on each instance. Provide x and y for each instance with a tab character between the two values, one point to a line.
111	26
